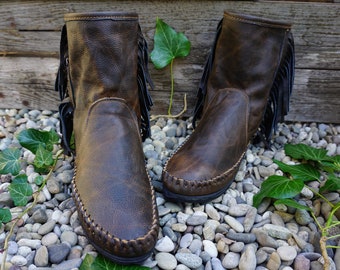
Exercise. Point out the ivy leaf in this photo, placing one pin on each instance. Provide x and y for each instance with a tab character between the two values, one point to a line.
39	180
101	263
304	172
168	45
9	161
292	203
43	158
5	215
20	190
31	139
302	151
278	187
332	184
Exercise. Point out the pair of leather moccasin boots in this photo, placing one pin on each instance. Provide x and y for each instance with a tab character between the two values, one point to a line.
243	93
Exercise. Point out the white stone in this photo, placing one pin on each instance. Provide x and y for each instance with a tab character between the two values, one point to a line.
233	223
248	259
18	260
210	248
212	212
186	240
32	243
231	260
166	261
287	253
165	244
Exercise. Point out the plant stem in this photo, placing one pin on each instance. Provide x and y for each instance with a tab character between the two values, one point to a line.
324	254
154	117
331	214
320	195
172	87
35	199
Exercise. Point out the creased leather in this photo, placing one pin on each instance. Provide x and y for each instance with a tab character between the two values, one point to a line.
239	76
112	190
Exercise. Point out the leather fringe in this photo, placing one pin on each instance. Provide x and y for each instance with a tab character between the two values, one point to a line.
144	79
61	80
65	109
202	88
66	127
278	101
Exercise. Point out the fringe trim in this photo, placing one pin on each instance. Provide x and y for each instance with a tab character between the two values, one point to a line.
202	89
66	127
278	101
65	109
144	79
61	80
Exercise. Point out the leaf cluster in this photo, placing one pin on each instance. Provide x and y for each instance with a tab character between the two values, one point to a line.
314	163
41	144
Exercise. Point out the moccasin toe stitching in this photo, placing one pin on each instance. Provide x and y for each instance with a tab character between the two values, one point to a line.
199	187
103	239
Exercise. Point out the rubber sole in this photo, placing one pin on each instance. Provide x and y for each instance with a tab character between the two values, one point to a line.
175	197
119	259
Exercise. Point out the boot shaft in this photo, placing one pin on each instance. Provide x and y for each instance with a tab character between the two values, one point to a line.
102	57
248	54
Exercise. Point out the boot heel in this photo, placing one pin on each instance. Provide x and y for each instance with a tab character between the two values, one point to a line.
279	96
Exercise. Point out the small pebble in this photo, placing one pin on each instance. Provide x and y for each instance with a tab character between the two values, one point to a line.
166	261
188	259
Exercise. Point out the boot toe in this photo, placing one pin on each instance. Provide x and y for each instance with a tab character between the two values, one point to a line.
204	166
112	190
117	241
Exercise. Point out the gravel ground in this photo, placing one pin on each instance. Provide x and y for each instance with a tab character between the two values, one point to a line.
227	233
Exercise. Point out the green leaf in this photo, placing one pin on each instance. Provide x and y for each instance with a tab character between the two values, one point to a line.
302	151
292	203
304	172
5	215
278	187
168	45
332	184
39	180
31	139
101	263
258	198
87	262
331	163
20	190
43	158
9	161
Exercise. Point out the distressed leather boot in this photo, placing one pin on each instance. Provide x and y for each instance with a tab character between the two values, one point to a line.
244	92
103	69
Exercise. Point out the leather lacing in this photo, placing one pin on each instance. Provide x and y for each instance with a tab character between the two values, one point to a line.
66	109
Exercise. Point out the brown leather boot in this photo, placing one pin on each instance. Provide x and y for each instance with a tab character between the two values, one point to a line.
244	90
104	62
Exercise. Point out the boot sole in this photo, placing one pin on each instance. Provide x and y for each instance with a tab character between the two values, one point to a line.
175	197
121	260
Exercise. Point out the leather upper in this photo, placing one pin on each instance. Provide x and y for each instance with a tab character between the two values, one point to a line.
239	76
112	190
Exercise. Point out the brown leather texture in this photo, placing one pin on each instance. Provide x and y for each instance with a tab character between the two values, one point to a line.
247	55
112	190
